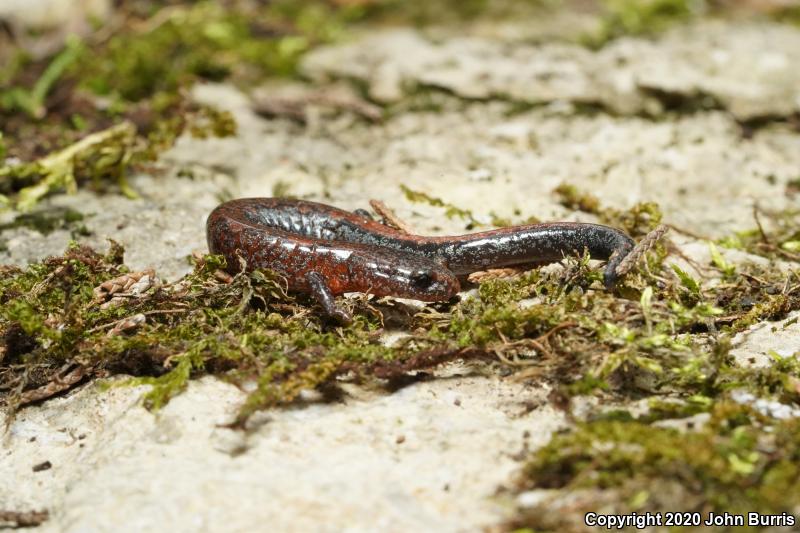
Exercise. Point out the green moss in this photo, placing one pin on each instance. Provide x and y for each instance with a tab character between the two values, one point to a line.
450	210
105	156
32	101
97	157
582	338
773	308
738	462
727	270
780	242
439	12
207	41
637	221
639	17
31	322
247	329
789	14
572	198
166	386
47	221
142	72
210	122
779	380
727	465
281	189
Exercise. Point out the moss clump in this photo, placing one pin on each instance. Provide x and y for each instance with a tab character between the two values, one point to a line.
99	156
637	221
203	40
450	210
32	101
248	329
781	241
738	462
662	336
50	220
678	345
572	198
137	78
62	312
496	317
639	17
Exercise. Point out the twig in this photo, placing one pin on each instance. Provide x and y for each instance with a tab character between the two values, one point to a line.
558	327
541	347
146	313
294	108
687	232
127	324
537	343
419	361
390	217
56	385
760	227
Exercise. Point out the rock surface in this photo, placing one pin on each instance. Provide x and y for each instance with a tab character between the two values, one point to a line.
749	69
396	462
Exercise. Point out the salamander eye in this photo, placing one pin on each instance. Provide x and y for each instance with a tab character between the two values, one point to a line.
421	280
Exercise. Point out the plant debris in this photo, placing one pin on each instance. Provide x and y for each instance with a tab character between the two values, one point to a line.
99	155
23	518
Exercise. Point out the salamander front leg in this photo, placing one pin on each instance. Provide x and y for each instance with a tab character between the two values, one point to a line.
325	298
363	213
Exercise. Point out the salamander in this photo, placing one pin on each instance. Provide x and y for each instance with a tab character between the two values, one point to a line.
328	251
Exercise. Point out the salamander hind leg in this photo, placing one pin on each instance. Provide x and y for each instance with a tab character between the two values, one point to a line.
325	298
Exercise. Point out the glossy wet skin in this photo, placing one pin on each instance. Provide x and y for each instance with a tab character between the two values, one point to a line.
421	280
327	251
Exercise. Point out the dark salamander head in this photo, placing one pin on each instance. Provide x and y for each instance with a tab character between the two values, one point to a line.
417	278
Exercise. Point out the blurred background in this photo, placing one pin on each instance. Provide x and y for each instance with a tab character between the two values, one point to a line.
70	67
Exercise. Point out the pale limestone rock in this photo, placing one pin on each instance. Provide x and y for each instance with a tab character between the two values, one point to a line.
750	69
